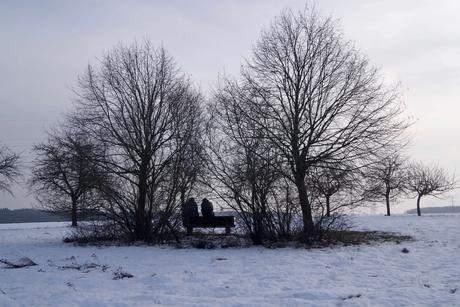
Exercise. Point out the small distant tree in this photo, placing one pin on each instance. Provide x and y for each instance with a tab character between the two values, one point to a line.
328	181
387	179
65	175
9	168
428	180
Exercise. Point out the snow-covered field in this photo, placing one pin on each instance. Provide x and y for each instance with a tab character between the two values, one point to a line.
377	275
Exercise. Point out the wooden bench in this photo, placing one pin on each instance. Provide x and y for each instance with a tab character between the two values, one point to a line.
226	222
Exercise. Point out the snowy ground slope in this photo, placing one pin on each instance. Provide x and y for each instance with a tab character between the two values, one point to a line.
429	275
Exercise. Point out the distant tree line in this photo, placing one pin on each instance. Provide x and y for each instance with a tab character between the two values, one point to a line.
29	216
307	130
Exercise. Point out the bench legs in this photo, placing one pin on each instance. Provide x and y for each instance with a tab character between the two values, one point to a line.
189	230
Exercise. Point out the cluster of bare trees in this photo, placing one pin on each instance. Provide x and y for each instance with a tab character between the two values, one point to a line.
131	151
308	129
313	100
147	116
394	176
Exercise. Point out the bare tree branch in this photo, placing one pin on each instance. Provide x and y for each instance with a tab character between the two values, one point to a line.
9	168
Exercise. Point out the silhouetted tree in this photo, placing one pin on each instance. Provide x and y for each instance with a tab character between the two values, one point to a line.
138	104
327	181
387	178
185	171
9	168
317	99
242	167
65	173
426	180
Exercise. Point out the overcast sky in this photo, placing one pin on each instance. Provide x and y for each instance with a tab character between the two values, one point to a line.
45	45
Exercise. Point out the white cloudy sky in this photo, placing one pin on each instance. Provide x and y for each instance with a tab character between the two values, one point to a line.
44	45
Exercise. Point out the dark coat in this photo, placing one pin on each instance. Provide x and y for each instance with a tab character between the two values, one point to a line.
207	209
189	209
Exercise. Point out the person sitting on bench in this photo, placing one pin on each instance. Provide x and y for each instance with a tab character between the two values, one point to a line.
189	209
191	219
207	209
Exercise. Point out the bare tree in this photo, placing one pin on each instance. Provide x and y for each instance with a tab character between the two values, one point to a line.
328	182
65	175
242	167
426	180
387	178
317	98
136	103
185	172
9	168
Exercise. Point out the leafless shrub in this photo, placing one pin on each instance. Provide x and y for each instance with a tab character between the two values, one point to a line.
96	232
244	171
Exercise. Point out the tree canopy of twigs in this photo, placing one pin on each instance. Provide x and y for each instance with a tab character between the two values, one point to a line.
147	114
318	99
9	168
244	170
424	180
66	176
307	130
333	189
387	178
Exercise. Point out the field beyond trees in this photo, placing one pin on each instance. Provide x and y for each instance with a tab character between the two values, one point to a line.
426	274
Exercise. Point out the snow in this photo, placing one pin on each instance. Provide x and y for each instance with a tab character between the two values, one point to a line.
375	275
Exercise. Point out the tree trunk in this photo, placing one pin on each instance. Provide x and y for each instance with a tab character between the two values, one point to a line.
307	218
257	216
387	199
140	227
419	213
257	236
328	206
74	211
